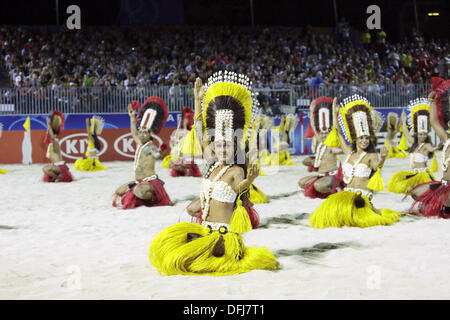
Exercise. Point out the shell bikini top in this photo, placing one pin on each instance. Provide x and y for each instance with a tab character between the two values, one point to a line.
358	169
221	191
216	189
418	157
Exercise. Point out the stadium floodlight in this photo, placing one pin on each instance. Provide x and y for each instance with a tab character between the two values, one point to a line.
433	14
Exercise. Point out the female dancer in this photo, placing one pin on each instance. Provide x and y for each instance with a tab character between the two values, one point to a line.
215	247
90	161
329	179
57	171
361	169
281	156
180	165
432	199
393	127
266	124
422	150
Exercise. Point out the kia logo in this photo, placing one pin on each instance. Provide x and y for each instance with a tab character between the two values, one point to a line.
125	146
74	146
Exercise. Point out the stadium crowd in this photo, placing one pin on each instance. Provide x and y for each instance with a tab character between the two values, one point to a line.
274	57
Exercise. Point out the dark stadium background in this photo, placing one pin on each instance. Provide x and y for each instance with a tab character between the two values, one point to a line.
397	17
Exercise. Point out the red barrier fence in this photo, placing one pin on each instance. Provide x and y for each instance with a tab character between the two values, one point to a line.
116	144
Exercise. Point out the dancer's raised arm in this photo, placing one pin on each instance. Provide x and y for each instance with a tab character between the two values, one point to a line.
408	136
440	131
132	114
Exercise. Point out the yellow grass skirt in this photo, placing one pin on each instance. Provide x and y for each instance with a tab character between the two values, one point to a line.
2	171
339	210
88	164
171	253
256	195
166	161
395	152
405	181
280	159
264	157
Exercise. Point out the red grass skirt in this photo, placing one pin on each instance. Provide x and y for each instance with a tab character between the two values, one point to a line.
338	182
252	214
64	175
432	203
193	171
130	201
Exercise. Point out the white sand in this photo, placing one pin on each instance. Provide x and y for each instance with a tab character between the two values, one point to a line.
66	241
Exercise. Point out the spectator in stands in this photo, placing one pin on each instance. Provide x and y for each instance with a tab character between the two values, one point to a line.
366	39
314	84
274	57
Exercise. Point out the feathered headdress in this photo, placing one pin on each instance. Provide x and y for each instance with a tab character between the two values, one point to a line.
57	123
322	114
442	89
378	120
187	113
392	122
97	124
419	115
152	114
227	105
256	119
356	118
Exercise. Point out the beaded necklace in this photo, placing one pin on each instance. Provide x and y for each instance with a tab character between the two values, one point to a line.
138	154
319	155
445	158
206	199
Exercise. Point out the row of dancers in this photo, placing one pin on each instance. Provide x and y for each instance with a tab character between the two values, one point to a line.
220	141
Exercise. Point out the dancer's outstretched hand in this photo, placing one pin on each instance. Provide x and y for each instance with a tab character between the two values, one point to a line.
253	172
432	96
384	151
131	111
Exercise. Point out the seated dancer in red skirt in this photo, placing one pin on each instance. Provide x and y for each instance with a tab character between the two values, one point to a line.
147	189
329	178
432	199
57	171
182	166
